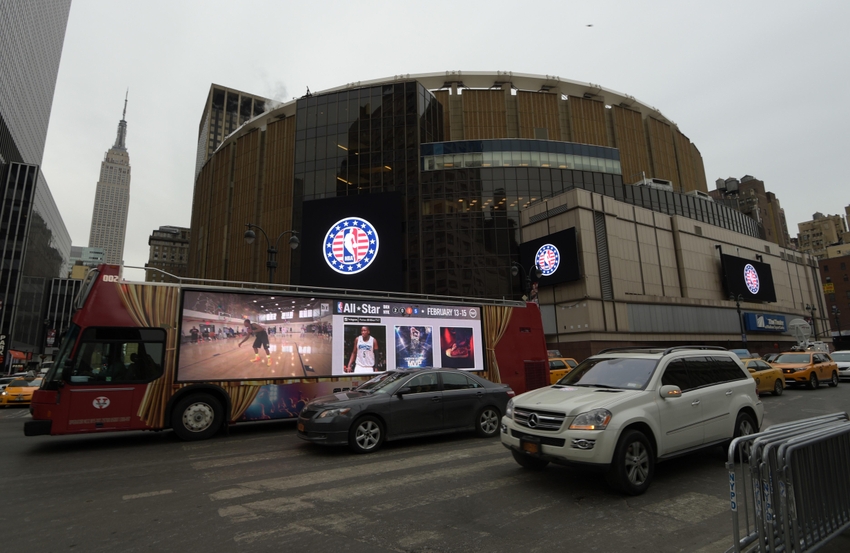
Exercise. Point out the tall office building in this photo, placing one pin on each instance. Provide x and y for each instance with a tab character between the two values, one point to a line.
35	243
748	195
169	252
821	232
112	198
224	111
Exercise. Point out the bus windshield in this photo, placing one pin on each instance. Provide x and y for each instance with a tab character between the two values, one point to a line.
68	340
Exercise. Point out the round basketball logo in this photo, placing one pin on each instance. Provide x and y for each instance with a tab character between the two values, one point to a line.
751	279
547	259
351	245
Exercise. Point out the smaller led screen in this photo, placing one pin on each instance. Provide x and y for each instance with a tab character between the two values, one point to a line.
245	336
556	255
752	280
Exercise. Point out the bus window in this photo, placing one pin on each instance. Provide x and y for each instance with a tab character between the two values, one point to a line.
119	355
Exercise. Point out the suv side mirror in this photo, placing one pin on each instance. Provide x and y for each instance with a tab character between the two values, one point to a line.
670	391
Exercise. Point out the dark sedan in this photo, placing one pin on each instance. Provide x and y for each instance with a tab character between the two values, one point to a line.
403	404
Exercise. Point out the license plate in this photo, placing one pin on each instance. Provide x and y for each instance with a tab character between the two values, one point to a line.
301	427
529	447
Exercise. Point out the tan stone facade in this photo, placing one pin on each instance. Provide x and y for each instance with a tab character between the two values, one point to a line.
666	284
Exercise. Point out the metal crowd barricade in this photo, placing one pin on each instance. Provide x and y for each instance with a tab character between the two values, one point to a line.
789	485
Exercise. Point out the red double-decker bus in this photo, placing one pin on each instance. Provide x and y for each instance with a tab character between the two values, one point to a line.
200	355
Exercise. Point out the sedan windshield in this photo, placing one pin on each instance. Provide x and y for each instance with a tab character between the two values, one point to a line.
843	356
381	382
629	374
793	358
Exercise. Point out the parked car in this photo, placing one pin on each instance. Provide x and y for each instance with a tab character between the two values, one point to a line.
769	379
559	366
745	353
807	368
842	359
403	404
624	410
19	392
4	380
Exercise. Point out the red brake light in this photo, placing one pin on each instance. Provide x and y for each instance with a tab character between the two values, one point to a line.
511	393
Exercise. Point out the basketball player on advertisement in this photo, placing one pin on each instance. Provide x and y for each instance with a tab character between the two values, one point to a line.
365	348
261	339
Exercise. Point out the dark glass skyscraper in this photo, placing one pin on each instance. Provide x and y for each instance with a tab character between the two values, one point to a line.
36	243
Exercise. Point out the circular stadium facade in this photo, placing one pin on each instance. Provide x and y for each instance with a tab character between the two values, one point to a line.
440	165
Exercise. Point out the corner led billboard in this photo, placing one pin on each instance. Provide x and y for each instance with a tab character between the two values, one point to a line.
353	242
752	280
556	255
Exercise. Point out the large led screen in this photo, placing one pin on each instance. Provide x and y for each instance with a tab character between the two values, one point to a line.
752	280
556	255
353	242
244	336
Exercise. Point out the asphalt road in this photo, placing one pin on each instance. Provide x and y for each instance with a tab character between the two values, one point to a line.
263	489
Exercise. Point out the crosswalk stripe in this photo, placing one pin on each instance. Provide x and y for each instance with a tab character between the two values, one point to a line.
350	472
373	488
241	460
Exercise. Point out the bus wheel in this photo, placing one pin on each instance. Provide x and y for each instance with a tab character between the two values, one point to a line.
197	417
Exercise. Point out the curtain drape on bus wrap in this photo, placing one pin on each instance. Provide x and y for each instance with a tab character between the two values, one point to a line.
496	320
155	306
158	306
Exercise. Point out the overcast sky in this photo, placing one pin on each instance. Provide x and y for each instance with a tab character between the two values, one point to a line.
758	86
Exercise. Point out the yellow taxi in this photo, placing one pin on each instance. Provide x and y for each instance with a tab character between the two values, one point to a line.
19	392
807	368
559	366
769	379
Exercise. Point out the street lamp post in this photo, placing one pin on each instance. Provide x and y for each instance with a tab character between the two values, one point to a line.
271	263
516	269
738	299
811	309
836	313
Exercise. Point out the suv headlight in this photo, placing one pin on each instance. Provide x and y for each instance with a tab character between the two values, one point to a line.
597	419
334	413
509	410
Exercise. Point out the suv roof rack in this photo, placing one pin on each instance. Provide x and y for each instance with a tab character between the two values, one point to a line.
655	349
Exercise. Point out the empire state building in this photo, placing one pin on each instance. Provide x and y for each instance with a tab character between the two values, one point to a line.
112	199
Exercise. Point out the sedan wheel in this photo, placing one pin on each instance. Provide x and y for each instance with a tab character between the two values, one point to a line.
777	388
366	435
487	422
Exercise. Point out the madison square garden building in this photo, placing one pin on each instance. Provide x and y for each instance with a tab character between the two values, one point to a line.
440	183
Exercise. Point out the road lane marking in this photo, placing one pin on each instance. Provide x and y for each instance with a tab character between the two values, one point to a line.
148	494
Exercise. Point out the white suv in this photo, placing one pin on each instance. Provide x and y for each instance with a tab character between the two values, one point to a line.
625	409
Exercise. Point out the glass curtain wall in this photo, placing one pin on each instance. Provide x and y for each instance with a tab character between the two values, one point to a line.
362	141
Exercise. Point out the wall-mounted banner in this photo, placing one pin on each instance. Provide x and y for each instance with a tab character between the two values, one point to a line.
765	322
556	255
352	242
752	280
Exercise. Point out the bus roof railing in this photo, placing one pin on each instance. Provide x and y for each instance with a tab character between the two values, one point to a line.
320	290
